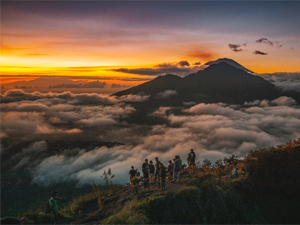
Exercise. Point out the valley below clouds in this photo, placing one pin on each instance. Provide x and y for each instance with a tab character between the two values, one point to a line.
214	131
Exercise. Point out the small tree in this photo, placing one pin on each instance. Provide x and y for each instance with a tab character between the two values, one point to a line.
107	176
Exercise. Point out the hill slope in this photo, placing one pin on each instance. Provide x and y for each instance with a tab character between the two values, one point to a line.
266	191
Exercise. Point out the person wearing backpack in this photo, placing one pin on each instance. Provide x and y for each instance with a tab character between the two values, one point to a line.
54	207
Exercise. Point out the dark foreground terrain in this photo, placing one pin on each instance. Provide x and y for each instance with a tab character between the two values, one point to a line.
266	191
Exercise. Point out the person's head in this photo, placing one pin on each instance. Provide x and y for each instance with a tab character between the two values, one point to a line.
132	167
151	162
146	160
170	161
192	150
156	159
54	193
178	156
174	160
161	165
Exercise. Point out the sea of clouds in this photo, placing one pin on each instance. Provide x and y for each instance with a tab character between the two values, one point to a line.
214	131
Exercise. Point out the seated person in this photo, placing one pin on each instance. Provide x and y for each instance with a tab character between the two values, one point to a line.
234	173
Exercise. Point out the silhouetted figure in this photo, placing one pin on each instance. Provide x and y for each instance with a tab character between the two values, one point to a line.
170	169
157	162
133	180
145	168
191	161
176	172
151	172
54	207
162	176
178	157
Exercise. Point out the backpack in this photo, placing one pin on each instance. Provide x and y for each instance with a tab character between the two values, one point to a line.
47	207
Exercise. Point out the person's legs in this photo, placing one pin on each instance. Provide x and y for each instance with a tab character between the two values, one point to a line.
152	177
174	176
156	175
163	183
54	219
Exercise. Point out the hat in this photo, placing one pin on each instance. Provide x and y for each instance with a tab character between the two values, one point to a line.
54	192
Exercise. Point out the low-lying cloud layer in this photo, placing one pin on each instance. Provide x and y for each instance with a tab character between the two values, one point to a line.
284	81
213	130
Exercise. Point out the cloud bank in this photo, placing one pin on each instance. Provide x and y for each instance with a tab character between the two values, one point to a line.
284	81
214	131
179	68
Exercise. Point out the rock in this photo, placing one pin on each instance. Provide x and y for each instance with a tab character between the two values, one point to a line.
10	220
24	220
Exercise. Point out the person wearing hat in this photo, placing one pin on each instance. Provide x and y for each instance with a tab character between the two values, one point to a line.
191	161
54	207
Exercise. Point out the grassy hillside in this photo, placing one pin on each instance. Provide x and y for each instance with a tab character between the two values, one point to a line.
266	191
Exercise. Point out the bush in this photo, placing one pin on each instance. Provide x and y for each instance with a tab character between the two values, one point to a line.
36	216
77	206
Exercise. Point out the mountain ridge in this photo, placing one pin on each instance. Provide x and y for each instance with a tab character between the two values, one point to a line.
221	82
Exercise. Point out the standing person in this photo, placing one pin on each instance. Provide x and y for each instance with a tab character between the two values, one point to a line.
176	172
151	171
180	162
54	207
145	168
133	174
191	161
170	169
157	162
162	176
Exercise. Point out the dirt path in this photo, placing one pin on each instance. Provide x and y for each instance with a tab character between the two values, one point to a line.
116	202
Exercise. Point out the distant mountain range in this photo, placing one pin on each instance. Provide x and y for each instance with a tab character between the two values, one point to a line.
224	80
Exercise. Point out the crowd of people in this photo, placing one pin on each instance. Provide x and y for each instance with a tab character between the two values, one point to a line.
158	173
152	174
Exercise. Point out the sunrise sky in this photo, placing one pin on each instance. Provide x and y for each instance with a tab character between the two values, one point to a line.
126	43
